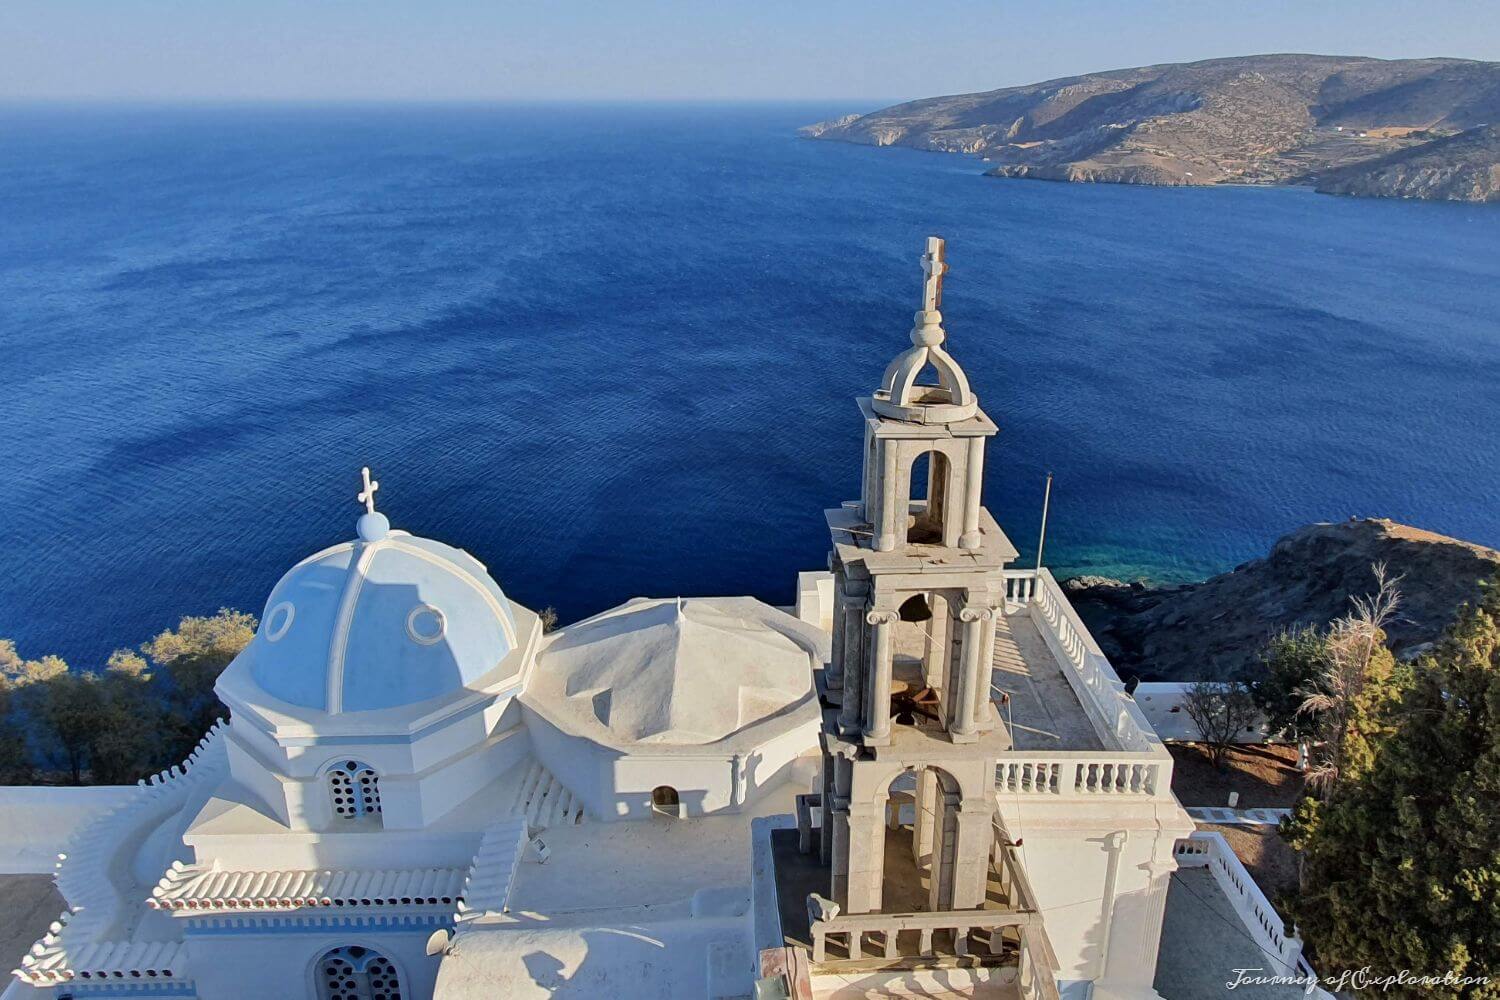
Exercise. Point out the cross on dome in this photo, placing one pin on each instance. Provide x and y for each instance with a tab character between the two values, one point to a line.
900	395
367	495
372	525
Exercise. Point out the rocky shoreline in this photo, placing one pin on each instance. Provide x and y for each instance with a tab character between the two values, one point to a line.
1214	629
1406	128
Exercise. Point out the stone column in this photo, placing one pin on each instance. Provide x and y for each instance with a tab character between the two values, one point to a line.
941	875
986	668
961	725
839	860
973	494
825	804
856	672
1114	843
971	862
866	855
1158	880
878	730
921	828
891	529
835	674
937	650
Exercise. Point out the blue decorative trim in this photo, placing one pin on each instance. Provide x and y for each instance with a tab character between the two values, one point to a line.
135	991
276	924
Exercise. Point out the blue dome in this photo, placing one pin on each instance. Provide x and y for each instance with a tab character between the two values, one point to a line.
381	623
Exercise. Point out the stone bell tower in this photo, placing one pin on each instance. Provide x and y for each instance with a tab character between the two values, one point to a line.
918	583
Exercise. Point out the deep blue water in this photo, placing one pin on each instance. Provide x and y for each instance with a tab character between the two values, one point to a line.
613	351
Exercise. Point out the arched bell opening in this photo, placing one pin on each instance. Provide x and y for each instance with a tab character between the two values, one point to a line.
915	609
929	499
922	659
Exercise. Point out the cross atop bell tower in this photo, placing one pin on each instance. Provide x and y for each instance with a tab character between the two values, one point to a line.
932	285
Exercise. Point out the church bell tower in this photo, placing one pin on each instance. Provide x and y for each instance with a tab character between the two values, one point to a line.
918	584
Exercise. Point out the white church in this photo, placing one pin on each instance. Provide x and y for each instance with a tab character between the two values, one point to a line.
924	779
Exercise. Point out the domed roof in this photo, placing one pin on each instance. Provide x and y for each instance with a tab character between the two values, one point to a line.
676	672
389	619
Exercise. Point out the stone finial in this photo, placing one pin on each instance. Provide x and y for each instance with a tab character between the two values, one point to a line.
900	396
934	267
372	525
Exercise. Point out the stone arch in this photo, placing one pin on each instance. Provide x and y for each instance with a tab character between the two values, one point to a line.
353	789
665	801
932	468
357	972
938	798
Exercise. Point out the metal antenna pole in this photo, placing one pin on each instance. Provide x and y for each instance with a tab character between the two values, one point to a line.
1042	538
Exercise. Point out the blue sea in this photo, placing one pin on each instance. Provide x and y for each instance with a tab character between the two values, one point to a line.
613	351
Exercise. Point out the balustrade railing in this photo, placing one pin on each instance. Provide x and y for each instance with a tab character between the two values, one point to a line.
935	935
1088	670
1067	773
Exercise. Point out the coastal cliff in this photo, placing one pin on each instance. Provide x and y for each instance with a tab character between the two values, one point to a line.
1462	167
1411	128
1215	629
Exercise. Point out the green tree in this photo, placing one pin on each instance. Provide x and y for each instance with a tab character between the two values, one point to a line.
192	656
1359	682
1294	659
1222	713
68	706
127	739
15	765
52	702
1401	865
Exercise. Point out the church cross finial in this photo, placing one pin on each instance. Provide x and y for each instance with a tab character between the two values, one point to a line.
367	495
934	267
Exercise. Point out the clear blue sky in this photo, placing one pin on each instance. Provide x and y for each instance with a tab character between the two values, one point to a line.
671	49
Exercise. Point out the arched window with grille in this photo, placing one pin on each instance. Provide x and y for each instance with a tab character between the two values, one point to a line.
357	973
354	789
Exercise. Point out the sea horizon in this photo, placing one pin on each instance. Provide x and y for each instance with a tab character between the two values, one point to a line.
612	350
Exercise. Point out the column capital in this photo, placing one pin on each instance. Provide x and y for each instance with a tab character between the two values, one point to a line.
882	616
976	613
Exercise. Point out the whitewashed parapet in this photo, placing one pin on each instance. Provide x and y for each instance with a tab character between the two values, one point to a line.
1088	670
1269	930
78	944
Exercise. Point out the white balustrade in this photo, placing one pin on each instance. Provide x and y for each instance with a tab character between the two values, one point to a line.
1071	773
1255	911
1088	670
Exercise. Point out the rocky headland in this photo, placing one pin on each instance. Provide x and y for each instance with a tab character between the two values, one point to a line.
1214	629
1407	128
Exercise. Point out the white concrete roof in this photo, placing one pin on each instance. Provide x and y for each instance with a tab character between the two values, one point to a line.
677	672
1163	704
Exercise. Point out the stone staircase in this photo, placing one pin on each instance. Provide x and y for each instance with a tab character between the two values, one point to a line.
487	887
545	802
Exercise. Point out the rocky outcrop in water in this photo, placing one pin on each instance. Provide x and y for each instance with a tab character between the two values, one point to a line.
1216	628
1271	119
